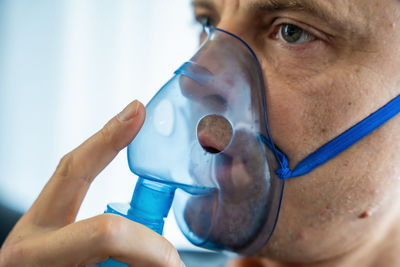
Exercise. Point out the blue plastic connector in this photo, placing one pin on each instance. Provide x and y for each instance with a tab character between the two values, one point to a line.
150	204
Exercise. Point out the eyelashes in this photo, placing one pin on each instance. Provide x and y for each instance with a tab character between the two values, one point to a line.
286	32
292	34
206	21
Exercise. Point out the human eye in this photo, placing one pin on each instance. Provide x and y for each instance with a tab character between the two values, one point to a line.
205	21
292	34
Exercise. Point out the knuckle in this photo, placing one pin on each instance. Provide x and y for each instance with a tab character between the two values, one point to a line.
108	136
109	230
171	256
65	166
106	230
69	167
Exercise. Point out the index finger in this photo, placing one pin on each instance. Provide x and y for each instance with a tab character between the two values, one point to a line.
59	201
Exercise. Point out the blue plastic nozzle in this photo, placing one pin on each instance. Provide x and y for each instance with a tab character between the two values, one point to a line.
150	204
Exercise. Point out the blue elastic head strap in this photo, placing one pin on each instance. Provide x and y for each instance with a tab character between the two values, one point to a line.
337	145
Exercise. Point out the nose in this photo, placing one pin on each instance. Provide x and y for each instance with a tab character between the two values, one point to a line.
234	18
223	66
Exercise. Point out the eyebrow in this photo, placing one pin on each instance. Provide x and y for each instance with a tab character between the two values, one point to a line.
289	5
312	7
203	3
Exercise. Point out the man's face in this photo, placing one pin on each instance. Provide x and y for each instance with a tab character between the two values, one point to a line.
327	65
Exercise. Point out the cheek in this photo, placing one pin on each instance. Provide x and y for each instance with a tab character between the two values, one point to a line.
349	196
345	201
292	89
305	113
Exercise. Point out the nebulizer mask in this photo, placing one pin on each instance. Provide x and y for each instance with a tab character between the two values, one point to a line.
202	143
205	144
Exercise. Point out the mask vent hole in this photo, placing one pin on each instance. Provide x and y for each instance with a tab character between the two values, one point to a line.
214	133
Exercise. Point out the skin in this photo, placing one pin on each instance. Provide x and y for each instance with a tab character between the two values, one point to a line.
344	213
47	234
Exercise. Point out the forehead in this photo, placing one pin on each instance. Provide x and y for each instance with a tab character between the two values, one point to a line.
339	8
349	15
272	4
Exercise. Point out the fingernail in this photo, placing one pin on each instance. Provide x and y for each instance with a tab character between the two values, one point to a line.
129	111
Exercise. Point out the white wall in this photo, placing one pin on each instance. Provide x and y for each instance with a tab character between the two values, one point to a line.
67	67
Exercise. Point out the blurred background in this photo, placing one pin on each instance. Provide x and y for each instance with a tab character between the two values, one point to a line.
66	68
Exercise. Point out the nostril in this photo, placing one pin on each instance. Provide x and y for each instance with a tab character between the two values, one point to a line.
211	150
214	133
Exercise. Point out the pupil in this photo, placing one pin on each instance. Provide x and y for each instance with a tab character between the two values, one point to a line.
291	33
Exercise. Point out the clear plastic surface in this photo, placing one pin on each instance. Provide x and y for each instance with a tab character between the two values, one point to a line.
227	195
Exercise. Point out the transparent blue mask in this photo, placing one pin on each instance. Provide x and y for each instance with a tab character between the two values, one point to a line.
202	136
205	143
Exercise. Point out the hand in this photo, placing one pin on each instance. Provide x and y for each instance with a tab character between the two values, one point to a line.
47	234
